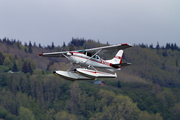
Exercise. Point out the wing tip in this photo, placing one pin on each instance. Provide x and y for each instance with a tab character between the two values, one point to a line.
126	44
41	54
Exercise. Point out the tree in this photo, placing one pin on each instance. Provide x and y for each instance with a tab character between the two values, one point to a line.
72	104
172	46
50	64
25	67
30	47
121	107
4	39
25	50
168	46
30	69
14	69
175	47
25	44
1	58
165	54
163	66
177	63
63	115
7	62
25	114
40	45
49	115
119	84
3	113
34	44
157	46
151	46
52	47
175	110
30	44
64	45
146	116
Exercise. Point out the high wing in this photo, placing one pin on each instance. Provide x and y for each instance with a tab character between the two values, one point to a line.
111	47
53	54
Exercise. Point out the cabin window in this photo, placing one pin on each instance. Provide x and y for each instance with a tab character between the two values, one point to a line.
97	57
87	53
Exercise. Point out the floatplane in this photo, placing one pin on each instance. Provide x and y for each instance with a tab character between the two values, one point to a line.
86	63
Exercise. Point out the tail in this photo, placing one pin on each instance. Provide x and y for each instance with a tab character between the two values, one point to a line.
117	58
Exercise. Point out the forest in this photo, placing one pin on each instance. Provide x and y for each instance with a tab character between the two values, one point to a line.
148	89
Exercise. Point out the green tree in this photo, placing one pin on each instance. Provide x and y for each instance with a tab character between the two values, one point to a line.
30	47
144	115
25	50
177	63
1	58
25	67
64	45
49	114
30	69
119	84
4	68
63	115
72	103
25	114
52	46
3	113
9	116
175	110
7	62
14	69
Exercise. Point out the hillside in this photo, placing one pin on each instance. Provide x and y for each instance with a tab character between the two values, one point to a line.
149	89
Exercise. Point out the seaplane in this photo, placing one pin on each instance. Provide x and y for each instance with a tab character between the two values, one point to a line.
84	63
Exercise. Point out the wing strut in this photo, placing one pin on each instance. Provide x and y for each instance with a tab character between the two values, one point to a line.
93	55
65	56
69	69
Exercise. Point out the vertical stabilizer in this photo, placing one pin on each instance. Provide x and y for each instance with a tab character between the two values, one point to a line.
117	58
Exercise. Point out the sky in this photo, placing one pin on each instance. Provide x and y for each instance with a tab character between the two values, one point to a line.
112	21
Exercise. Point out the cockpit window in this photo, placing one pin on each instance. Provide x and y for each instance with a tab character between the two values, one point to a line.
81	51
96	57
87	53
90	55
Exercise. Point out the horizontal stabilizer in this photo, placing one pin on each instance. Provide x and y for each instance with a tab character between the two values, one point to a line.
121	65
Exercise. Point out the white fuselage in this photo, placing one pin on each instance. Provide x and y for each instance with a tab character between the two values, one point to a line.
96	61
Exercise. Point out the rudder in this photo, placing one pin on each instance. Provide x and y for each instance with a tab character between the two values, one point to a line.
117	58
